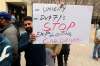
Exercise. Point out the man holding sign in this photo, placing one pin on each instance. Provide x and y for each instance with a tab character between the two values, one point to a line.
34	54
62	25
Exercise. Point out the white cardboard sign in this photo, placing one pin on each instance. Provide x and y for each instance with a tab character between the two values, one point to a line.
55	25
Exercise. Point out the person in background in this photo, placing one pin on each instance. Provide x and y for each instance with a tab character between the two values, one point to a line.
96	51
52	50
64	52
9	31
65	47
13	18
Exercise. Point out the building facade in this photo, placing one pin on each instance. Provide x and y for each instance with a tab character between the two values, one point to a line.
8	5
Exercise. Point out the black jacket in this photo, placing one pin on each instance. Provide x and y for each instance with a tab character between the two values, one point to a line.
34	54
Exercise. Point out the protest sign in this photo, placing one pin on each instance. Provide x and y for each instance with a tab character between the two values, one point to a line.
55	25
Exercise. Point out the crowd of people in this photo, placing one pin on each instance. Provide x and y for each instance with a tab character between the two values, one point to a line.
12	44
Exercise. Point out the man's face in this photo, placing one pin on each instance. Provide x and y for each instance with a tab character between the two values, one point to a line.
2	21
28	26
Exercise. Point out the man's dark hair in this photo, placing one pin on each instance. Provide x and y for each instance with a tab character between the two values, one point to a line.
28	18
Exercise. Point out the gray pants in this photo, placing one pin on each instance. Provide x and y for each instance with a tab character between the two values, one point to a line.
49	58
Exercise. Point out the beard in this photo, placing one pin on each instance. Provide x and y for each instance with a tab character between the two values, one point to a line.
29	30
1	25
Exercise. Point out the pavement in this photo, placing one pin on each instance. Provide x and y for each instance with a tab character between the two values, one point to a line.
81	54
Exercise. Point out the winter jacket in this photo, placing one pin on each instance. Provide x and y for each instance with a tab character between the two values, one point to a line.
5	52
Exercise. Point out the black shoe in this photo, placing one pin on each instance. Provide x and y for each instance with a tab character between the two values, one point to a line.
65	64
95	58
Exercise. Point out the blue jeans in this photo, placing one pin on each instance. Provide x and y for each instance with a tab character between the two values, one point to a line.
96	51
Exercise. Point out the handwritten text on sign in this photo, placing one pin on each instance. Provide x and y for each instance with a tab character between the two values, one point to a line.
55	25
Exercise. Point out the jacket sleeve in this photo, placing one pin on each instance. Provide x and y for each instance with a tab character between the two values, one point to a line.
6	54
11	34
23	42
57	48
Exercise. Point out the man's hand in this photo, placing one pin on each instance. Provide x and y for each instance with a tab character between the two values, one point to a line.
53	55
61	2
32	37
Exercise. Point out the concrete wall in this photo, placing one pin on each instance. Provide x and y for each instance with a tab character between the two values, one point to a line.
3	6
